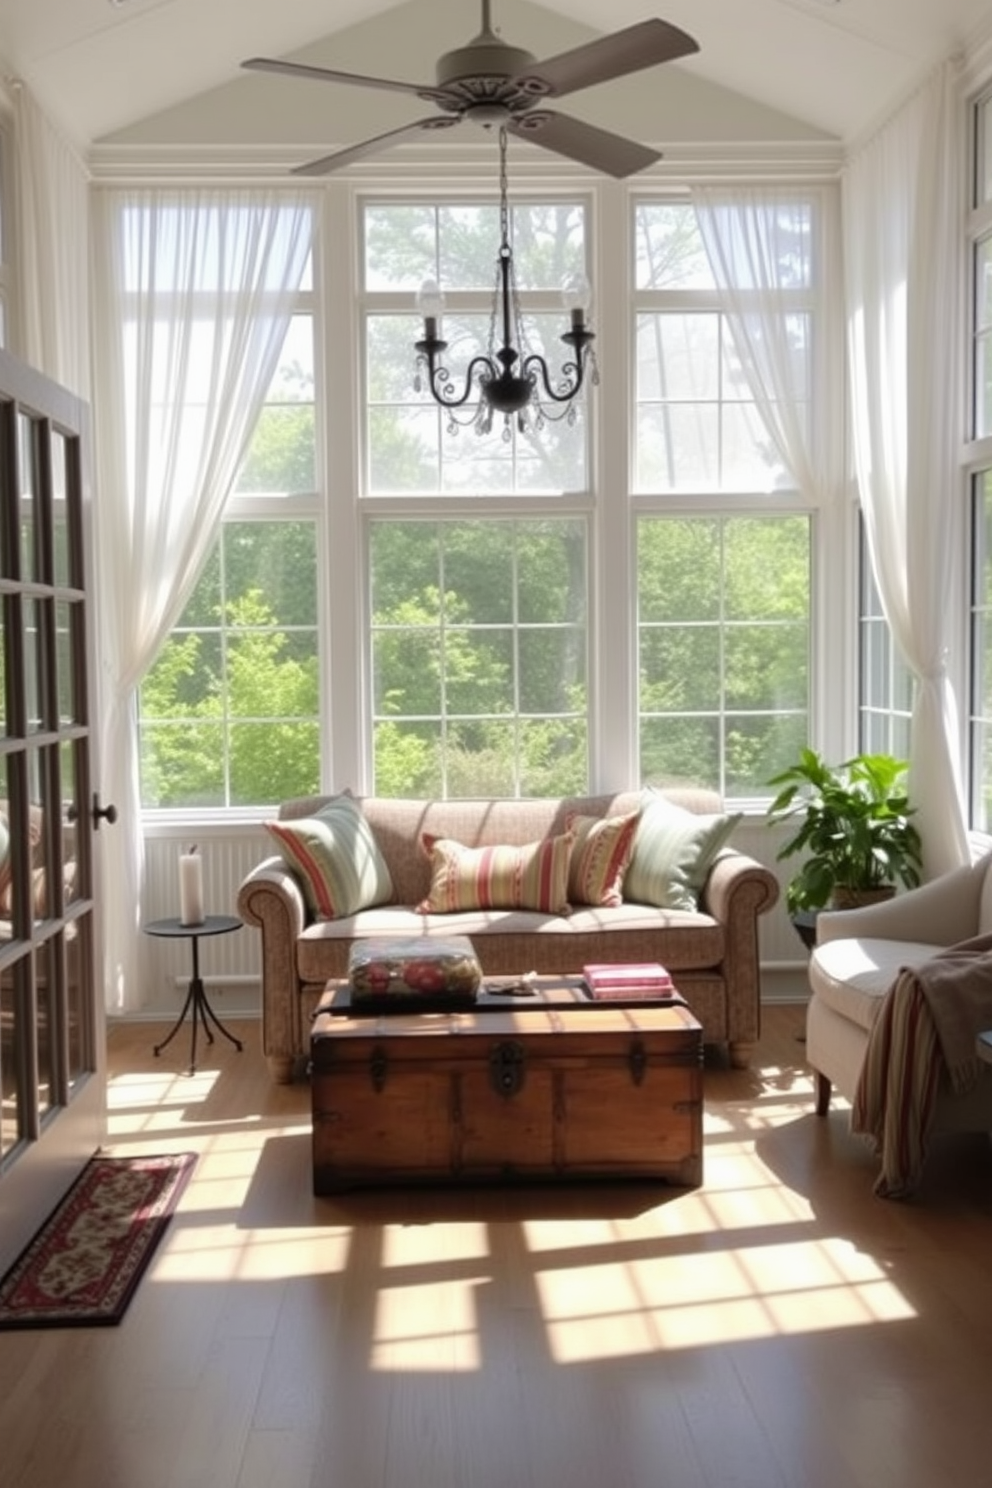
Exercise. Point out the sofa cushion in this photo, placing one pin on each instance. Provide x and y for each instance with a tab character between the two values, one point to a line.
532	876
600	856
335	854
853	976
512	941
673	852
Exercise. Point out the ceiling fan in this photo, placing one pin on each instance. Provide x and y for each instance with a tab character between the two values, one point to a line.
494	84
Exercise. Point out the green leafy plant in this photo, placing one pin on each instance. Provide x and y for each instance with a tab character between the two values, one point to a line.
854	828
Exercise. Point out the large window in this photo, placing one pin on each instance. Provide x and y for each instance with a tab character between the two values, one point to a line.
229	713
478	651
723	611
698	426
723	647
473	583
409	449
479	657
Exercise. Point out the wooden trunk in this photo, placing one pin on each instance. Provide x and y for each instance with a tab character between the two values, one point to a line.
601	1091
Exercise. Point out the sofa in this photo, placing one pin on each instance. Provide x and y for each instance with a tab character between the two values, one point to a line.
857	956
710	945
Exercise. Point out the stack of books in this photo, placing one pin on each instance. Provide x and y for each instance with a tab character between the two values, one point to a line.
627	981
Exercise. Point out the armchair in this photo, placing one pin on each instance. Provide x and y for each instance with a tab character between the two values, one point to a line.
858	954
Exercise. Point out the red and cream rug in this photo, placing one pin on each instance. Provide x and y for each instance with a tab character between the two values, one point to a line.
83	1266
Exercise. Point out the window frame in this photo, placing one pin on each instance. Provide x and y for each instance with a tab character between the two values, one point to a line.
371	302
727	502
344	509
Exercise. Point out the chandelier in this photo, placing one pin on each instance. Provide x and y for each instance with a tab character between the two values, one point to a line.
509	380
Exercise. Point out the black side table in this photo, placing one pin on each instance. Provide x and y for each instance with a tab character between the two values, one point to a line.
196	997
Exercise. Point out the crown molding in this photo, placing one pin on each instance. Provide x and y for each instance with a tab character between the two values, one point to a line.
144	164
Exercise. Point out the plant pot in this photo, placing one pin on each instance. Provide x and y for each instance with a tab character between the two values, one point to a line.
804	924
844	898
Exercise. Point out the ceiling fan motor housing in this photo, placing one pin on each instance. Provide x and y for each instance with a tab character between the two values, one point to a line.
487	58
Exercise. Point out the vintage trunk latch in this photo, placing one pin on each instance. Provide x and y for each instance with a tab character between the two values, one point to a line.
506	1067
637	1059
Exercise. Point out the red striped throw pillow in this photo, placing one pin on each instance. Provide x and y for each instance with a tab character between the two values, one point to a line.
600	855
534	876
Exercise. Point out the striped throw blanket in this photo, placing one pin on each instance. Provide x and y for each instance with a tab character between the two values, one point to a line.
925	1032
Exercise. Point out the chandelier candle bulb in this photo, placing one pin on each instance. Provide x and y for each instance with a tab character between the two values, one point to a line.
191	887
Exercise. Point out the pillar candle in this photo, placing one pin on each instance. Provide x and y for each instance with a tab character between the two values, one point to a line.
191	888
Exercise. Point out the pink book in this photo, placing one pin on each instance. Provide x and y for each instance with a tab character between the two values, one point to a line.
647	979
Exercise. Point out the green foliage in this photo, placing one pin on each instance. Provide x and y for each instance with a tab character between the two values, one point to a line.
479	660
854	827
479	657
256	710
281	457
723	611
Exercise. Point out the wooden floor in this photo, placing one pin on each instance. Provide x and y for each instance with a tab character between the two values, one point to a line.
778	1328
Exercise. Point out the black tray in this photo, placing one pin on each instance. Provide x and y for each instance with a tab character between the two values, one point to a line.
496	995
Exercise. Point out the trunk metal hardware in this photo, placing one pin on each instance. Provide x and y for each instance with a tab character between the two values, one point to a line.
637	1059
506	1067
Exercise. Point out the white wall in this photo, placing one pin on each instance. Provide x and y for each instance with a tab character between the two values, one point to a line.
664	105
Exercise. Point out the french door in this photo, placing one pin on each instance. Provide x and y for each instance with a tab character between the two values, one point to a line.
52	1047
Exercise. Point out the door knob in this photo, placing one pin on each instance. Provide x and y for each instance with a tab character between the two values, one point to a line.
109	812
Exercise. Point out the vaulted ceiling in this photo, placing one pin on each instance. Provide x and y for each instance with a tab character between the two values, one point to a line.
167	71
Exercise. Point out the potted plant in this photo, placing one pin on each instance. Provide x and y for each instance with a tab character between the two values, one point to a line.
854	829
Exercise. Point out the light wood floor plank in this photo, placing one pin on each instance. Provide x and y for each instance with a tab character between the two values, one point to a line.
780	1327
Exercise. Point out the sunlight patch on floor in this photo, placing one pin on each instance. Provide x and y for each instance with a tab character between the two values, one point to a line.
689	1301
426	1244
430	1327
740	1258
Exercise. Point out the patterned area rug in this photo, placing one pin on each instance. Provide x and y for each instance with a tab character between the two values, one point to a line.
83	1267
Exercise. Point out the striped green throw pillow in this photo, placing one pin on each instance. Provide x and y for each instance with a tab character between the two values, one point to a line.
673	852
336	858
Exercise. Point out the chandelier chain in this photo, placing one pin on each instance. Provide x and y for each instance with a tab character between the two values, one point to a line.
504	192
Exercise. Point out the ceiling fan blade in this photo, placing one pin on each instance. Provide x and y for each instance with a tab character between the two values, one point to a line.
327	75
637	47
606	152
328	163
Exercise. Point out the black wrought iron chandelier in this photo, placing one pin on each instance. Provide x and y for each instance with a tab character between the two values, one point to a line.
506	379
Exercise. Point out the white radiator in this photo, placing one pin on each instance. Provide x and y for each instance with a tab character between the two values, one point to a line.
229	964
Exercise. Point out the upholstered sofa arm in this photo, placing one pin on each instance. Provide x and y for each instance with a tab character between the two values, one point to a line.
271	898
738	885
738	890
941	912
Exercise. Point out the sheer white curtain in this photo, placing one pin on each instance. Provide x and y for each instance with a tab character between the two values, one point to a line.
193	292
51	222
760	248
902	241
